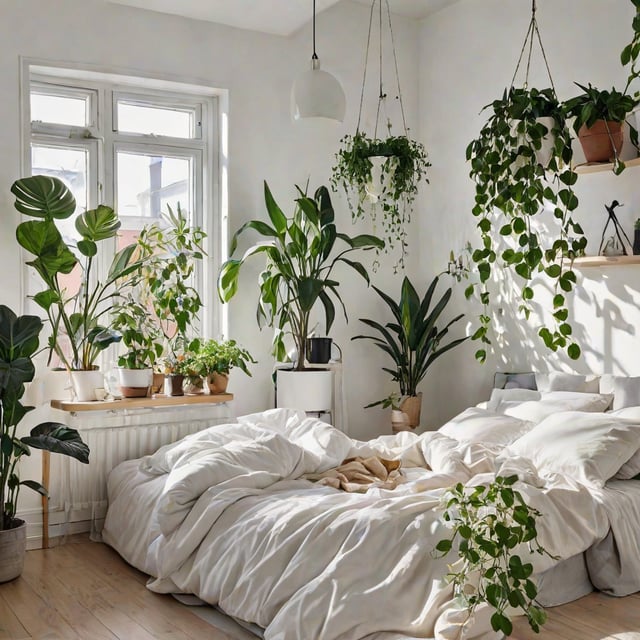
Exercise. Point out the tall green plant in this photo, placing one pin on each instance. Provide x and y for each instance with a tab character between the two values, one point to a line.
78	316
513	190
171	252
19	341
301	253
412	339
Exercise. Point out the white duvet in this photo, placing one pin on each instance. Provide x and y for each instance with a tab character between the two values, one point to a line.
229	517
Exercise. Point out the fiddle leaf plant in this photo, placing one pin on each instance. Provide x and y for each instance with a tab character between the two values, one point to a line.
515	185
490	524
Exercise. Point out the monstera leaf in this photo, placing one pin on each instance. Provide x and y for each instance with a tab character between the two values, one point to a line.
97	224
43	197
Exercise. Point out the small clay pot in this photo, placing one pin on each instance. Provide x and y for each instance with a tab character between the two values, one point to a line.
599	140
173	384
217	382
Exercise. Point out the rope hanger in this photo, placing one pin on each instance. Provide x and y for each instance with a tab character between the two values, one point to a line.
381	94
531	32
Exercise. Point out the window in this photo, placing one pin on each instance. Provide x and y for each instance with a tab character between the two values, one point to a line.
131	146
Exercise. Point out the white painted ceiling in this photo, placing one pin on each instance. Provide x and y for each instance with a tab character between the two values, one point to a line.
281	17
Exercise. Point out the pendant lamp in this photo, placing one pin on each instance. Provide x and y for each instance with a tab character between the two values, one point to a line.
316	93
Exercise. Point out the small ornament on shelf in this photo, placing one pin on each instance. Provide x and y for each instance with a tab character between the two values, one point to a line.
614	245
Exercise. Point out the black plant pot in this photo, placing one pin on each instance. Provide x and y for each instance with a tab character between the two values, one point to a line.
636	242
319	350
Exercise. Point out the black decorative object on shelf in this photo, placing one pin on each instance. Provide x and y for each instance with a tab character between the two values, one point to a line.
636	238
616	241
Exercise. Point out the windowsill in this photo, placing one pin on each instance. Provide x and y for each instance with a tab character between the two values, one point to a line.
141	403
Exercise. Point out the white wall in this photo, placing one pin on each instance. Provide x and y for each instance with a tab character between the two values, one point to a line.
468	54
264	143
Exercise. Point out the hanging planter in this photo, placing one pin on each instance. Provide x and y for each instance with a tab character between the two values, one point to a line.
381	176
521	165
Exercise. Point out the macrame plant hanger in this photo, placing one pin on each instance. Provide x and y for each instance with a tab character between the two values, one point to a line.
533	33
382	96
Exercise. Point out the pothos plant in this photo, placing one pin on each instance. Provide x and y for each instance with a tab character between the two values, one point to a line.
515	185
489	524
631	52
401	164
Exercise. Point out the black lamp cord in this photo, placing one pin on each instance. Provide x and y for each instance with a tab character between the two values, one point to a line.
315	55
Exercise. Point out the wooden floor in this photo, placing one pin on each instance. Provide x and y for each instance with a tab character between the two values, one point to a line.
84	590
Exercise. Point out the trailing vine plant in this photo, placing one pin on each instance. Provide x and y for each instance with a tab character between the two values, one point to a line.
631	52
488	524
515	185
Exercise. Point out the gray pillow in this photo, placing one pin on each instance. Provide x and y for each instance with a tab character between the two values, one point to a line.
626	390
514	380
561	381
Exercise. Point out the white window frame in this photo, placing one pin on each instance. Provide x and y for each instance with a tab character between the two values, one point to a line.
208	147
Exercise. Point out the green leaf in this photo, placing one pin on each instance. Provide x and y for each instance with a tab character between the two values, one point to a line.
87	248
98	224
573	351
278	219
36	486
58	438
43	197
444	546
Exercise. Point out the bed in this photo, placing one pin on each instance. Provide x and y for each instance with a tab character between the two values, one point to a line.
229	515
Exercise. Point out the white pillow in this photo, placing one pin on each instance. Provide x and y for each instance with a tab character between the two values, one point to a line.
555	402
505	396
480	425
631	468
626	390
560	381
589	447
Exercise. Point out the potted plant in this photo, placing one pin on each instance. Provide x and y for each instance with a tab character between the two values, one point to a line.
413	341
174	368
78	328
170	252
301	252
629	56
216	359
141	337
381	176
513	189
599	116
19	341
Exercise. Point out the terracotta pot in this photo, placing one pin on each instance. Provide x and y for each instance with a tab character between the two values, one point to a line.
135	383
217	382
598	141
13	545
173	385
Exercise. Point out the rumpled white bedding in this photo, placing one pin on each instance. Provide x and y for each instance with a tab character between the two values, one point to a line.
233	522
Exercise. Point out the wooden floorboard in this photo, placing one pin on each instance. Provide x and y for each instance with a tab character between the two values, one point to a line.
85	590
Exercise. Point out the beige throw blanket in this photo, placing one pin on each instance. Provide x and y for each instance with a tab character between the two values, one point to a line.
356	475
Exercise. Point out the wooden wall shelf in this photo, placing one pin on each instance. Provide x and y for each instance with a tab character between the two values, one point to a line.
605	261
595	167
141	403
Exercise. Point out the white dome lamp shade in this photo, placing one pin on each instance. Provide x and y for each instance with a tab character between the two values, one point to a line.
316	93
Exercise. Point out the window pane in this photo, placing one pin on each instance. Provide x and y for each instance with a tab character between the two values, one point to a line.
59	109
146	184
159	121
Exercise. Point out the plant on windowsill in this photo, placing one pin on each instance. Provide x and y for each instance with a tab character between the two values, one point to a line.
171	252
414	341
142	338
490	526
79	330
599	117
19	342
381	175
302	252
216	360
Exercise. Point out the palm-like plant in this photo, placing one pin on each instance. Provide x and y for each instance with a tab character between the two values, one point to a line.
301	253
412	339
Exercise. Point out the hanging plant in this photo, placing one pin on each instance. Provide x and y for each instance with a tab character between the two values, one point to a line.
381	176
631	52
521	165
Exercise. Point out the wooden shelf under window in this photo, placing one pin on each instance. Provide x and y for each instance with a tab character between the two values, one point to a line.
605	261
595	167
141	403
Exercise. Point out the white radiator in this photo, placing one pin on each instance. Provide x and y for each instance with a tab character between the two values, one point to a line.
79	490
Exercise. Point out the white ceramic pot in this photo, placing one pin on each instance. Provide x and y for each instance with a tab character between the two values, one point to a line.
309	390
135	383
543	155
379	183
87	385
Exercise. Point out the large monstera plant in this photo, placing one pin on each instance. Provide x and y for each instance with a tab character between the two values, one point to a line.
78	329
19	341
301	253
